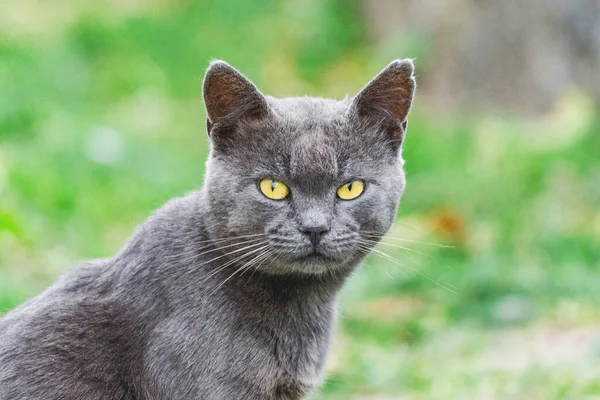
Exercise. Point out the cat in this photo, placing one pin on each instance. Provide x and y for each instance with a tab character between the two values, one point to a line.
230	291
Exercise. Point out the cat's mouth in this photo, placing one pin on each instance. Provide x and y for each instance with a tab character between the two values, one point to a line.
318	256
298	254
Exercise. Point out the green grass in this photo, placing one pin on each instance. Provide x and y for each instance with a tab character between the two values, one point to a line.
101	122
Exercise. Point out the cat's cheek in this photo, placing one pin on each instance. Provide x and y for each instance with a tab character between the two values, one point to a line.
375	211
266	210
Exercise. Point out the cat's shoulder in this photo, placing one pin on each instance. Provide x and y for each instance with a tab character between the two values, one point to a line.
188	205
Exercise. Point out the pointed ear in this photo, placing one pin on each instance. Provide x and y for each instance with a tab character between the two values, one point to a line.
230	96
388	97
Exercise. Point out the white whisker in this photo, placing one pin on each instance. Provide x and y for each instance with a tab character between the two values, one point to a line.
380	236
212	242
246	265
196	256
374	242
392	259
222	267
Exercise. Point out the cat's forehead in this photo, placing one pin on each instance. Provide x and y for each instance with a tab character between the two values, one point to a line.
308	108
312	155
310	138
312	132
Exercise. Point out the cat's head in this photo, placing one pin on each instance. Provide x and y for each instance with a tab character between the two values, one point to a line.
305	183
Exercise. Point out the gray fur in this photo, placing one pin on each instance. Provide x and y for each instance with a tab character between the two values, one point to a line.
184	310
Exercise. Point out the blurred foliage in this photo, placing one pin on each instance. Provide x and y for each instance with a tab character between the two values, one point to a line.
492	290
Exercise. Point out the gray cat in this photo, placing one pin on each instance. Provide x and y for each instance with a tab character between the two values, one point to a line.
229	292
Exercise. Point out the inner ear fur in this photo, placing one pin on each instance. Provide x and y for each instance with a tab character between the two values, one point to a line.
388	97
229	96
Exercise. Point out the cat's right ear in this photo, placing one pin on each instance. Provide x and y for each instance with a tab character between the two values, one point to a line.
229	96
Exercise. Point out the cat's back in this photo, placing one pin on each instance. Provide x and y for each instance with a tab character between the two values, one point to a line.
81	338
69	337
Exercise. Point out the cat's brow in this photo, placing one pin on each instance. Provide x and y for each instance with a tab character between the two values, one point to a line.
313	159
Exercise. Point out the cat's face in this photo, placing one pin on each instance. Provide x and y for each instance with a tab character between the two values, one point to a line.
308	184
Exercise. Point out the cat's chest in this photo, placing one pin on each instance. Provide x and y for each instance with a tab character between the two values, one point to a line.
300	354
294	344
238	356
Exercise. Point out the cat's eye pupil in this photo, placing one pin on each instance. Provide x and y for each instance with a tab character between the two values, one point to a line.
273	185
349	186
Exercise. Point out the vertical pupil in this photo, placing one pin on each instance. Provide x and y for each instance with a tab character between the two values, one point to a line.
349	186
273	184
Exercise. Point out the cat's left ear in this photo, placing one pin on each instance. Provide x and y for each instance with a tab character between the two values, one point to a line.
229	96
388	97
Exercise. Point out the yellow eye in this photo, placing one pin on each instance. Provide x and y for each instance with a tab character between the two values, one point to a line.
273	189
351	190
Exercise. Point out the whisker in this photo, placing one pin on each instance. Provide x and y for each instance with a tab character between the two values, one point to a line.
396	246
231	238
168	265
392	259
243	267
344	238
222	267
273	252
260	262
283	239
417	231
383	242
380	236
368	250
287	247
215	241
194	256
207	228
232	252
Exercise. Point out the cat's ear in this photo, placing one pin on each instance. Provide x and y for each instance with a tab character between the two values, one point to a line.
388	97
230	96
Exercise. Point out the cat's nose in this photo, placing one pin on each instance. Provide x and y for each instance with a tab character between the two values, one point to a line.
315	233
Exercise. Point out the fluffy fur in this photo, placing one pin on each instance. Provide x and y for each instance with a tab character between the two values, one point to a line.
221	294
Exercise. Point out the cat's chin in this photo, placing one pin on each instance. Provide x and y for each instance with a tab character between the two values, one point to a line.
314	264
319	258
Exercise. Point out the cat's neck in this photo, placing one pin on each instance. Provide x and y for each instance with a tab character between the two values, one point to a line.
283	290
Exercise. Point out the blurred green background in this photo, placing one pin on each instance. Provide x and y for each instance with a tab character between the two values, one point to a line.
497	295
